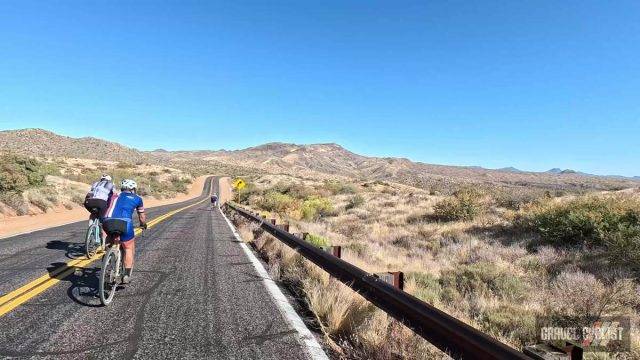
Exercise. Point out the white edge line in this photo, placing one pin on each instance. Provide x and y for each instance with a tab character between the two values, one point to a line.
313	348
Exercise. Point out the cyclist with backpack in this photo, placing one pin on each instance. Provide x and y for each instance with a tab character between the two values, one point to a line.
97	199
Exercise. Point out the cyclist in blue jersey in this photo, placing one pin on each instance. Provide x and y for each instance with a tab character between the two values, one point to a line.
121	208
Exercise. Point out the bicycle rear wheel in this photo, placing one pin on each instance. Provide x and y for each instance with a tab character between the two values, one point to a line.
108	277
91	242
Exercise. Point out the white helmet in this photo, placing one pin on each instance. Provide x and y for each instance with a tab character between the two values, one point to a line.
128	184
106	177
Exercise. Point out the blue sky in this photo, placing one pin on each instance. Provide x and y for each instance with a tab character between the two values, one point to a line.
530	84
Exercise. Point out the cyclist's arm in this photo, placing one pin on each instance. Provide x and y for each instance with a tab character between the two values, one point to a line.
142	216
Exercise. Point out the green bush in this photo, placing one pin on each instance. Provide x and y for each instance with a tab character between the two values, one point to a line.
278	202
354	202
317	240
18	173
316	207
465	204
298	191
482	278
336	187
517	198
428	287
510	320
249	191
594	221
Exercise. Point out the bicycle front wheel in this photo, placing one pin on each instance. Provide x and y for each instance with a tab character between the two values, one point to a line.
92	241
108	277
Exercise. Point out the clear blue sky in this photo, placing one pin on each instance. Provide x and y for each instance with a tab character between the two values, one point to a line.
531	84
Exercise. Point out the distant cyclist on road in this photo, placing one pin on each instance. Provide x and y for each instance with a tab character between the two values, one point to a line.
214	200
122	208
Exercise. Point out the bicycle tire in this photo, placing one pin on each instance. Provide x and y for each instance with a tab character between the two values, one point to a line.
108	281
90	248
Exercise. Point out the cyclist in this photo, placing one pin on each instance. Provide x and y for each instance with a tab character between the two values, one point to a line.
214	200
121	211
98	197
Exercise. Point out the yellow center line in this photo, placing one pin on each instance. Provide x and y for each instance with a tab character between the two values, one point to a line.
28	291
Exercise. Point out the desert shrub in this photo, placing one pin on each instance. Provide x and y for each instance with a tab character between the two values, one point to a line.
124	165
317	240
612	223
360	249
316	207
354	202
511	321
298	191
16	201
278	202
465	204
404	241
428	287
18	173
624	246
590	298
482	278
77	199
516	198
179	184
336	187
40	201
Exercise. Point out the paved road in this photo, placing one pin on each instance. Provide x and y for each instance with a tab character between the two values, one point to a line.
195	294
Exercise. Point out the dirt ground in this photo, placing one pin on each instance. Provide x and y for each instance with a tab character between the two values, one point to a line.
20	224
225	190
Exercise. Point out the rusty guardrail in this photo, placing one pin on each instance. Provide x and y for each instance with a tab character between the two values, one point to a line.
447	333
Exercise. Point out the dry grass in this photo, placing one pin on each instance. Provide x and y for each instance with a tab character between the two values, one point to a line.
483	271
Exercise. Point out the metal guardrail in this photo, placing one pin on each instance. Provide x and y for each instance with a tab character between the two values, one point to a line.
447	333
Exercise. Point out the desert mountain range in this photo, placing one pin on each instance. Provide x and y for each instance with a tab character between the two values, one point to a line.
319	160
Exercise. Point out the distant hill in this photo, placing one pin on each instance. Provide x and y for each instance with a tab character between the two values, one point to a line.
43	143
510	169
315	160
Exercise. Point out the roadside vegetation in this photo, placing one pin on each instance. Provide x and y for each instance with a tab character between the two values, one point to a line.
32	186
492	257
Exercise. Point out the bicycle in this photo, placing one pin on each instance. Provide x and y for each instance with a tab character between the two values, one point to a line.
112	266
93	239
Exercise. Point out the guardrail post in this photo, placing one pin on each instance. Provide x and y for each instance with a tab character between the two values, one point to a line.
272	221
304	235
336	251
333	250
394	278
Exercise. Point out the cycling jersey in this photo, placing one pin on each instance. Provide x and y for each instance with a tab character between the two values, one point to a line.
122	207
102	190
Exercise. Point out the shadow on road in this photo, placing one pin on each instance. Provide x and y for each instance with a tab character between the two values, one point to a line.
72	250
84	283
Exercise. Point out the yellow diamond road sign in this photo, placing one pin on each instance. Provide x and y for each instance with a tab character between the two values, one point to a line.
239	184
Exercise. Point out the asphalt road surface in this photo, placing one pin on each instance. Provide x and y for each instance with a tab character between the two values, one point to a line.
195	294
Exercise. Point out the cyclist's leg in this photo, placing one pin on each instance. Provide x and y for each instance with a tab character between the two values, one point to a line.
129	252
127	241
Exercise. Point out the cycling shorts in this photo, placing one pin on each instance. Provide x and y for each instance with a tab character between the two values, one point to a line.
127	234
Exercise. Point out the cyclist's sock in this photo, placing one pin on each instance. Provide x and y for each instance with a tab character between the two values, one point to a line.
127	271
